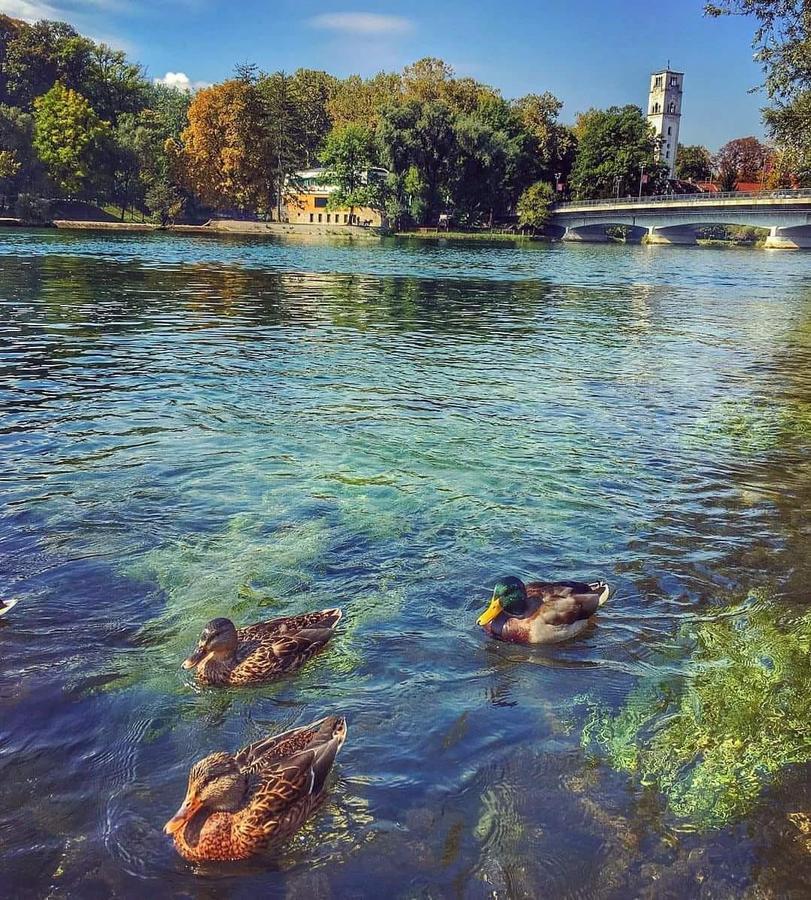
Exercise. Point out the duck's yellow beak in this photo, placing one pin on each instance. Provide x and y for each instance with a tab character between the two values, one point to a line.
493	610
179	819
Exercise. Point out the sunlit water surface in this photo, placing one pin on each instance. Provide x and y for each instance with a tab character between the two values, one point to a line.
193	428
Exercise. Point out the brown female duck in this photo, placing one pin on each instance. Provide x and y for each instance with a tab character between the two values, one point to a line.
7	606
261	652
236	805
540	612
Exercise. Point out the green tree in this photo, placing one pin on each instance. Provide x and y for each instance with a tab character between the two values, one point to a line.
113	85
554	144
9	167
348	154
41	54
693	163
534	205
312	92
67	137
17	137
782	44
420	136
357	100
496	159
283	131
615	146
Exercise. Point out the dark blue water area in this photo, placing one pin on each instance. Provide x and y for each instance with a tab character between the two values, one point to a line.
201	427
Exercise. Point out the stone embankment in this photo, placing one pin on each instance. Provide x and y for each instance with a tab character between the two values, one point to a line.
225	226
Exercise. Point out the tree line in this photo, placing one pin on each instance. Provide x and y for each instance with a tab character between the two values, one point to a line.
78	120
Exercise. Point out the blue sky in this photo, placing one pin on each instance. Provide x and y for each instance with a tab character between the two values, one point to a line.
587	52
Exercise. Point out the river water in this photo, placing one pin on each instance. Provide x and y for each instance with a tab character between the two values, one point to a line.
192	428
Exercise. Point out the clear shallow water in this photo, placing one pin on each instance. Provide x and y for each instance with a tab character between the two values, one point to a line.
196	427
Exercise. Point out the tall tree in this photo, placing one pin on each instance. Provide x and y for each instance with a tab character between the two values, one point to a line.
782	44
615	146
313	91
496	159
363	101
554	143
226	153
420	136
349	153
283	130
742	159
693	163
67	137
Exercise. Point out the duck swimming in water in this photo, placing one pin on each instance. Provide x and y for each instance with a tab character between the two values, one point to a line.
541	612
261	652
7	606
236	805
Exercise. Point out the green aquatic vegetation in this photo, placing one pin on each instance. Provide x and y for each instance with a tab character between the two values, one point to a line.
750	427
711	738
248	574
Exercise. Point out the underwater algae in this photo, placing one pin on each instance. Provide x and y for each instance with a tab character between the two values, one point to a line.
713	737
751	427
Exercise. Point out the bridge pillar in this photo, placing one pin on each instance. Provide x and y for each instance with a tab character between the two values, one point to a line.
789	239
674	234
586	234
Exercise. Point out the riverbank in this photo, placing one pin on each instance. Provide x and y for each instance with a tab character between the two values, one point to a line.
223	227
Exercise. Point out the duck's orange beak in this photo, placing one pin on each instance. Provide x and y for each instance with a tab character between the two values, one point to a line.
195	659
190	806
493	610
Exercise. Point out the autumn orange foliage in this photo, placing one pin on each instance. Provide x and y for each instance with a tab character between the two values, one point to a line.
224	159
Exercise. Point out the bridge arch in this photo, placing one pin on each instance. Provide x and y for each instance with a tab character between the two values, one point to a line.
598	232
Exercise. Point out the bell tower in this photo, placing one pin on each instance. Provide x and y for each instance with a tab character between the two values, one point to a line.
664	113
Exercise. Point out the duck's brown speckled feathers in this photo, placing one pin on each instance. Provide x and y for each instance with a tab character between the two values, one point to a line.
284	780
557	611
268	650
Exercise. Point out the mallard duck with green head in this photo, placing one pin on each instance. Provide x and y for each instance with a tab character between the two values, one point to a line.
541	612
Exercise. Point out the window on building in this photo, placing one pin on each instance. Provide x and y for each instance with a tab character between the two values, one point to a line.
659	81
311	217
319	217
327	218
674	81
667	155
672	107
346	218
669	129
320	202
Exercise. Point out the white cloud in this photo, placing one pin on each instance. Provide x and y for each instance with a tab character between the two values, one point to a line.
33	10
180	81
29	10
363	23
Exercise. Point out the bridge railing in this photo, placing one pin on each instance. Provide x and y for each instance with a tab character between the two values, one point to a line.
704	197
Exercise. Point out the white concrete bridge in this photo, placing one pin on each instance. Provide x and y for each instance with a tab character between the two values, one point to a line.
674	218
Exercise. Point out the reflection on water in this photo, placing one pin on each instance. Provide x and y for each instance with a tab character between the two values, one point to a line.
193	428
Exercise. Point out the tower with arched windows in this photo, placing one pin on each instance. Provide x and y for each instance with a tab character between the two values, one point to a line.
664	113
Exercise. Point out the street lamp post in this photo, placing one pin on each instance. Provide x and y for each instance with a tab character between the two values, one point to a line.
641	179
